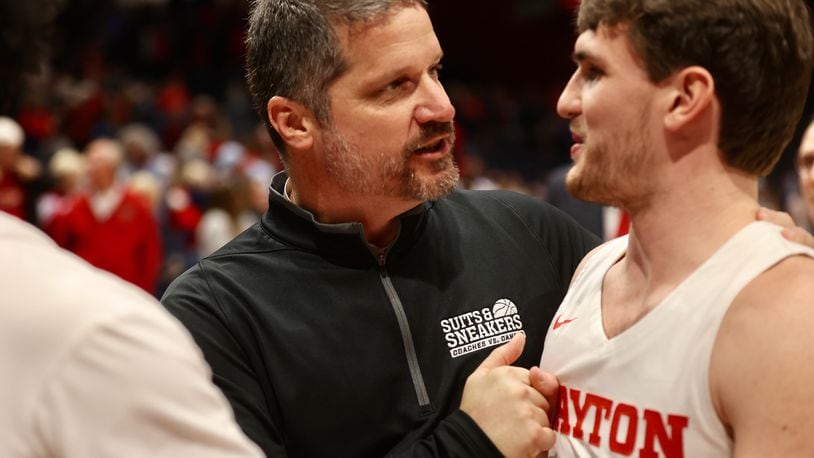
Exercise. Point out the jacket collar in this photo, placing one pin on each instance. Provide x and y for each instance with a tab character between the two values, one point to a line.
342	243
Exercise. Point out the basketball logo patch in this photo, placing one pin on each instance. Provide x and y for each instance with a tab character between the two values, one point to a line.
503	307
484	328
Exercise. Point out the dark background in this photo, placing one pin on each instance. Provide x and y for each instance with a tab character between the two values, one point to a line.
504	67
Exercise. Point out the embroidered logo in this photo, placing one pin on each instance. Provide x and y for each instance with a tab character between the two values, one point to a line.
558	322
484	328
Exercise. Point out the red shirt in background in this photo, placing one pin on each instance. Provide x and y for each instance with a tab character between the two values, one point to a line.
127	243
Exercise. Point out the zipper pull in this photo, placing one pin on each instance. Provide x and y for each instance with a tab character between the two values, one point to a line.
382	258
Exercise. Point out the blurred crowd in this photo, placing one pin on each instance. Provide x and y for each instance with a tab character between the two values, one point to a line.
138	147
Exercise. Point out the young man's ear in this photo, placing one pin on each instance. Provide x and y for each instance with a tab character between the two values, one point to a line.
293	122
693	93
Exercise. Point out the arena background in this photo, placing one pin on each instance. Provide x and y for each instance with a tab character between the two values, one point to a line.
168	63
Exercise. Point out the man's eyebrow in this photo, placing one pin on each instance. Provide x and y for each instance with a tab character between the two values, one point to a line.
580	56
407	68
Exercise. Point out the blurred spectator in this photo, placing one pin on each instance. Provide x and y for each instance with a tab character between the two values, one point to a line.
145	185
18	172
142	152
92	367
107	224
182	210
66	169
229	214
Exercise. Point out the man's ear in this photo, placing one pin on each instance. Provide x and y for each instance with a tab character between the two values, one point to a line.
692	94
294	122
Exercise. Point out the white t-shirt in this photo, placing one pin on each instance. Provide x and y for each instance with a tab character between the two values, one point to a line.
91	366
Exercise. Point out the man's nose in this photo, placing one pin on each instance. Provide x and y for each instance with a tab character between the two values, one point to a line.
434	104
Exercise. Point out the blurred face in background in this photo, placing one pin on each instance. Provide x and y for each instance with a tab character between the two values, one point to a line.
8	156
102	163
805	168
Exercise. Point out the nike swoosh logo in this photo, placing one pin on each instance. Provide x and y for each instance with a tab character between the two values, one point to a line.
558	322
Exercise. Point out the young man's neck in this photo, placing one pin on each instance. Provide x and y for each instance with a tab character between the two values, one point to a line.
684	225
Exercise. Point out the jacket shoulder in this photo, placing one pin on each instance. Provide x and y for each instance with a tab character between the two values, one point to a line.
527	208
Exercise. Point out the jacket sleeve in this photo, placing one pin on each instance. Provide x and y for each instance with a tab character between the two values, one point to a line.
190	300
566	241
456	436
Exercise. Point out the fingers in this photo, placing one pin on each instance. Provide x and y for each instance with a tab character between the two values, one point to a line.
792	232
546	439
536	427
799	235
776	217
549	387
509	403
540	401
545	383
505	354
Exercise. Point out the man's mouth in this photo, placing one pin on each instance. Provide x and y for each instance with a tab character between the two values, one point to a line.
578	140
436	146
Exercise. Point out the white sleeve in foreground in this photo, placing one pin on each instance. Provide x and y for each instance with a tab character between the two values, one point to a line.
137	386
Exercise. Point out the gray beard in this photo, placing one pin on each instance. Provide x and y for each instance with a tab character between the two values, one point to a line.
386	176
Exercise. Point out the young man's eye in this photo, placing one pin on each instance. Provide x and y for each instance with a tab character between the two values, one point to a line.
435	71
591	73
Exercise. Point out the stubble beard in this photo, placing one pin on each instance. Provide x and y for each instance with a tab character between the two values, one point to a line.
390	176
611	179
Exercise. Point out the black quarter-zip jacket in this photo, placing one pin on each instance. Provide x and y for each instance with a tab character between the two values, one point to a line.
325	350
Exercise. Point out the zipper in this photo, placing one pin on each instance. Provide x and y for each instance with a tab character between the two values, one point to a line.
406	335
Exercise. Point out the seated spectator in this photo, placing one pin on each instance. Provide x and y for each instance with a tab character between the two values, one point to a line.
66	168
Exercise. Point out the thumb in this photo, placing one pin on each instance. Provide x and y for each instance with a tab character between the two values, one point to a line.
505	354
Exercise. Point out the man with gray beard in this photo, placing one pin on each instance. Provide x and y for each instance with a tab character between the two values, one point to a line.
364	315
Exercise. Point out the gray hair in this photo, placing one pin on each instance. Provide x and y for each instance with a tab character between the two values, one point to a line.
293	49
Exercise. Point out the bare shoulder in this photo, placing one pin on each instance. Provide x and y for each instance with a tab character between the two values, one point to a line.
785	288
761	367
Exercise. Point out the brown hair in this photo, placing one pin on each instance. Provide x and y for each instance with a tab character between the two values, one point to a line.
759	52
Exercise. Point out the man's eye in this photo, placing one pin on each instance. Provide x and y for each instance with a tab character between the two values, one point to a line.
399	84
435	71
591	73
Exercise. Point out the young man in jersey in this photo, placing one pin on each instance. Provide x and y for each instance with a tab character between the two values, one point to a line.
690	337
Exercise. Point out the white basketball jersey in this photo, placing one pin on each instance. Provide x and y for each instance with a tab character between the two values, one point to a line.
645	392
